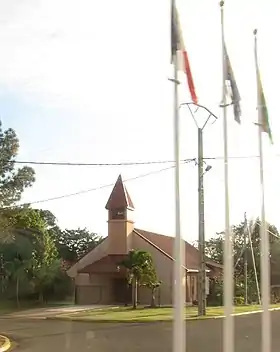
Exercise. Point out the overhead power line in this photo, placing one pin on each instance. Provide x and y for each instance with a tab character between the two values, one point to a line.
99	187
128	163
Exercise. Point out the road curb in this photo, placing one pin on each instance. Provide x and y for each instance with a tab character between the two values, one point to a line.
5	343
136	321
244	313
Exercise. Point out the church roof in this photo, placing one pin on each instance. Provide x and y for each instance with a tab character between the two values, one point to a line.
119	197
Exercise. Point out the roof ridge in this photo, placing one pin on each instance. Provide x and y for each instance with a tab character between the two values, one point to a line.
161	234
156	247
208	260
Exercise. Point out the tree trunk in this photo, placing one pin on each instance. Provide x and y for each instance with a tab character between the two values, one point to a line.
153	301
17	292
135	298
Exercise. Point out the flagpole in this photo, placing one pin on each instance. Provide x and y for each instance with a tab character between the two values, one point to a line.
179	325
265	261
228	329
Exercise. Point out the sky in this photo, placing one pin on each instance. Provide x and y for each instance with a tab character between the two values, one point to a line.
87	81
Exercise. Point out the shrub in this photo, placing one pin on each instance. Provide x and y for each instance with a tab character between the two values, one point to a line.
239	301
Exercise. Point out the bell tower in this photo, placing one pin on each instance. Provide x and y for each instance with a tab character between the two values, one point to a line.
120	219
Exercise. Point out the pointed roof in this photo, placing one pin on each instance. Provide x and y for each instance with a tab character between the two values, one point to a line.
119	197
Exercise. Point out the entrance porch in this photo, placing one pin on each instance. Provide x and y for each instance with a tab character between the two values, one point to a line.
105	283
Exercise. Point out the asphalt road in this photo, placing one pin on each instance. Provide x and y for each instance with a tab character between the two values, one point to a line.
206	335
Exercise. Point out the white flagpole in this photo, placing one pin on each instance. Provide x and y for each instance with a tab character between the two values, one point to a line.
265	261
228	329
179	325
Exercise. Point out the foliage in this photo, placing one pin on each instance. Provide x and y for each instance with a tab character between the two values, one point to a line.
12	181
138	264
239	301
214	250
153	285
140	271
151	281
30	257
29	254
44	277
215	297
74	244
33	249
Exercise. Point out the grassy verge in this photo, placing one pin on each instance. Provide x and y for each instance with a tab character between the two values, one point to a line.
142	315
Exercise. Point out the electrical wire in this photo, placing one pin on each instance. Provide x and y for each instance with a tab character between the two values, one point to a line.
128	163
96	188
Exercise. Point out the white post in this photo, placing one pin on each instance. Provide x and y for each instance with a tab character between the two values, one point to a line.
254	264
179	326
265	261
228	330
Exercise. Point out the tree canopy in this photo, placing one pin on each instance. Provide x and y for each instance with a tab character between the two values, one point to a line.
141	272
245	251
13	181
74	244
34	251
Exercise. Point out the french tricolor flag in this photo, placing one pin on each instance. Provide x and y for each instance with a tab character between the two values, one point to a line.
178	47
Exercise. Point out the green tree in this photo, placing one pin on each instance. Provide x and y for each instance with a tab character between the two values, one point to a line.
139	264
17	259
151	281
153	284
74	244
214	250
20	222
13	181
28	248
18	271
45	276
47	266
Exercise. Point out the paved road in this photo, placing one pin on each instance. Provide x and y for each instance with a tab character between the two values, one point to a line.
52	311
57	336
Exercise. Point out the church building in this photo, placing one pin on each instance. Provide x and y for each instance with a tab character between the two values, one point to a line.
100	280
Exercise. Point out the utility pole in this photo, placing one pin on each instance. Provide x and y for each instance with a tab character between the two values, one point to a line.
245	260
201	229
201	284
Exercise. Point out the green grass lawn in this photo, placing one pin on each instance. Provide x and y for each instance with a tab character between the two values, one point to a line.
142	315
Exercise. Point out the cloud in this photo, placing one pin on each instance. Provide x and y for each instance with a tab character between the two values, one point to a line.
79	53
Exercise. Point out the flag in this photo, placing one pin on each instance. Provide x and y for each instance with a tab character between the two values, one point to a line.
177	45
233	92
263	111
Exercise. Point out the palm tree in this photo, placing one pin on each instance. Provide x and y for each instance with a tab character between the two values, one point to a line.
138	263
44	276
153	285
18	271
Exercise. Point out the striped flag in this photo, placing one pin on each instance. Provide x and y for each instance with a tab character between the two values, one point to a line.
263	111
177	45
232	91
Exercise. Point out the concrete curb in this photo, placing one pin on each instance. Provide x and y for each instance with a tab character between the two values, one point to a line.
244	313
136	321
6	343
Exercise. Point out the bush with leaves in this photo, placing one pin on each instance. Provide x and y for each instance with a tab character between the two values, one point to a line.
139	265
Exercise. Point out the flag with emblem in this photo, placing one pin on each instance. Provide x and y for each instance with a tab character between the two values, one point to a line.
232	89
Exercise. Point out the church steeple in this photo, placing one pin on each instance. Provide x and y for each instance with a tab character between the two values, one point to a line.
120	219
119	198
